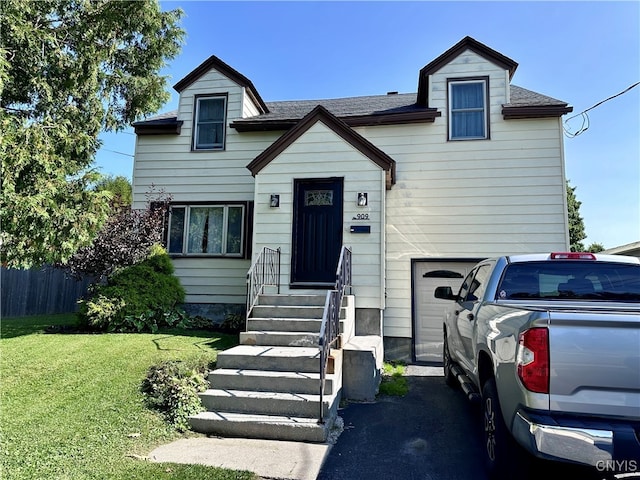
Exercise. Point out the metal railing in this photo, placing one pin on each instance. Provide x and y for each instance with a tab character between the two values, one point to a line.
330	328
265	271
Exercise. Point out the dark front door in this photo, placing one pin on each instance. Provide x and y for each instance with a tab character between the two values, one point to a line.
317	231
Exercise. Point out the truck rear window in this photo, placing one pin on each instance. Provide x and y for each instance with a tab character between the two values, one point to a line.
570	280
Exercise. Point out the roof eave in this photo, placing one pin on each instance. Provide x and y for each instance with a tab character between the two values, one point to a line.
535	111
424	116
263	125
164	128
229	72
467	43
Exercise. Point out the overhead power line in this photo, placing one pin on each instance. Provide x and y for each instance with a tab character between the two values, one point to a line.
585	118
119	153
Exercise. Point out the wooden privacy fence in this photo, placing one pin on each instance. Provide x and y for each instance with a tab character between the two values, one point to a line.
39	291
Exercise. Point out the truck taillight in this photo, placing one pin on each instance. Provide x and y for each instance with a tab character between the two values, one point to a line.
533	360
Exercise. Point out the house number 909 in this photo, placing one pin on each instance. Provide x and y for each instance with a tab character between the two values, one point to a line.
362	216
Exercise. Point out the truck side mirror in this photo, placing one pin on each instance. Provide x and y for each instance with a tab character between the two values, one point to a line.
445	293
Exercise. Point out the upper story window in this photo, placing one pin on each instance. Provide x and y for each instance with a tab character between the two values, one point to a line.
209	121
468	109
212	230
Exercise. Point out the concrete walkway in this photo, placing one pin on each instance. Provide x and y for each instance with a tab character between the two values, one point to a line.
269	459
266	458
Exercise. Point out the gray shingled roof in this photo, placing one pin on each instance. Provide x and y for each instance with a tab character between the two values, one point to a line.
161	118
357	106
521	97
343	107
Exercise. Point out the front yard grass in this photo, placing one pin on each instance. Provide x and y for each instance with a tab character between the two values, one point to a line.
71	407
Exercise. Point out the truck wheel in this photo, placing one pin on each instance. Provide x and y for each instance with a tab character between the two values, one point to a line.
500	449
449	378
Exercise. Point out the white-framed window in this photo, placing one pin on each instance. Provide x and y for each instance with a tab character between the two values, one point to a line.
209	122
468	110
210	230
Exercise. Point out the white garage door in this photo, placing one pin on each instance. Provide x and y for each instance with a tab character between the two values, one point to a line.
428	310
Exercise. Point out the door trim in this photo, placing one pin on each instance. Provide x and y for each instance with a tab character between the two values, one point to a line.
336	183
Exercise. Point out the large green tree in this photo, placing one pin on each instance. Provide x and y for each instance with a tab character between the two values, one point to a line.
576	223
70	69
120	188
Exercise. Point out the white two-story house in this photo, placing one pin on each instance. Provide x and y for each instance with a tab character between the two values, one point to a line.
419	186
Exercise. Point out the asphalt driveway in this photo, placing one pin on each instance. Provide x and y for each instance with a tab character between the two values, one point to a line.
431	433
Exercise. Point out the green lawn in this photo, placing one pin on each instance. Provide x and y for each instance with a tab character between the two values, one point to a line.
71	408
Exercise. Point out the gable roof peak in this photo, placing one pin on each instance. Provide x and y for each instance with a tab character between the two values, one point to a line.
214	62
321	114
467	43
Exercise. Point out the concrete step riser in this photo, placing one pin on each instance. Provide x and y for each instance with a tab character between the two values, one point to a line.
309	386
275	364
269	311
283	325
286	325
292	300
284	340
263	406
257	429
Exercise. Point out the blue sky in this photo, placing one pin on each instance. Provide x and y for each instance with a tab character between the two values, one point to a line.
578	52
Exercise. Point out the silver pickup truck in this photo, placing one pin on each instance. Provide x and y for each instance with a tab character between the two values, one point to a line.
550	343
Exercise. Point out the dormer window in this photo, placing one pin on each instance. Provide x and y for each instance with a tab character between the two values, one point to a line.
210	121
468	109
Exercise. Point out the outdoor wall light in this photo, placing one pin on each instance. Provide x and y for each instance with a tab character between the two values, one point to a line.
363	199
275	201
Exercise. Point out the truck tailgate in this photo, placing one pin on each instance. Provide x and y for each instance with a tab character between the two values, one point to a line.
595	362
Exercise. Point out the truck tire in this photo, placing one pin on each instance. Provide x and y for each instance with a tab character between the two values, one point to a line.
503	457
449	378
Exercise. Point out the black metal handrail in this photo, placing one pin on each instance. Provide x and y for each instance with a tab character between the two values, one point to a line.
330	328
265	271
343	272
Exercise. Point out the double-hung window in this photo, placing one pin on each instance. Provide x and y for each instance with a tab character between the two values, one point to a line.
468	111
211	230
209	120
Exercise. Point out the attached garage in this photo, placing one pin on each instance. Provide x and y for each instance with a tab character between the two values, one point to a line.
427	311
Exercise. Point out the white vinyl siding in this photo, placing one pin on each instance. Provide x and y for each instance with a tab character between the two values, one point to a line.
213	280
468	199
320	153
249	108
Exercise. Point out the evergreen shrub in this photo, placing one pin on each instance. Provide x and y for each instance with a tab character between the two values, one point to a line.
137	298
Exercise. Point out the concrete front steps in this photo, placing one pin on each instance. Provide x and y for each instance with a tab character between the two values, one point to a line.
268	386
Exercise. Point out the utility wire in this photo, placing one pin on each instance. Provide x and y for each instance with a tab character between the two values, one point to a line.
585	117
119	153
